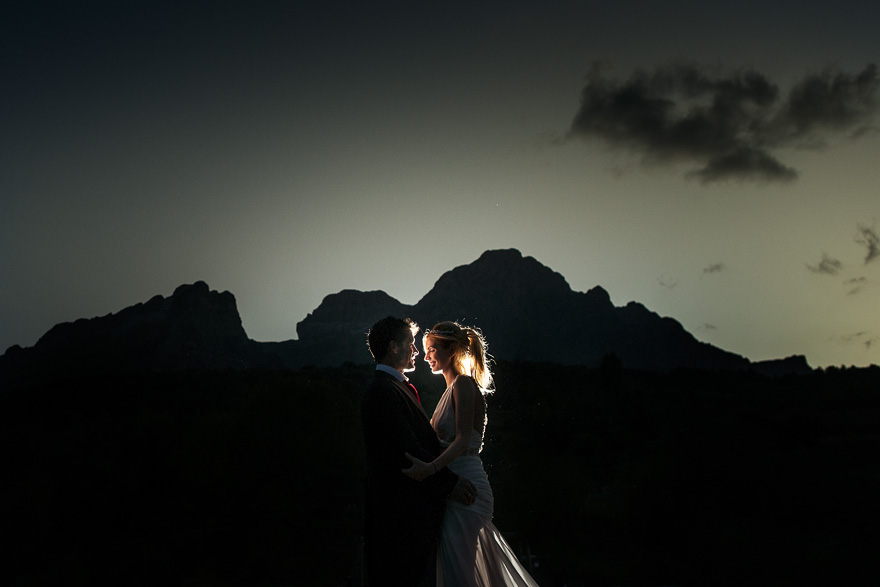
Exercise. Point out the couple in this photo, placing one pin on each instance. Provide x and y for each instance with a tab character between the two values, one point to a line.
428	500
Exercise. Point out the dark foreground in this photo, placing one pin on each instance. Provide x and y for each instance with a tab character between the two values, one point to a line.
609	477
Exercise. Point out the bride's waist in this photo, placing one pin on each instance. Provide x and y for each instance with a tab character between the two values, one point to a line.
471	452
469	466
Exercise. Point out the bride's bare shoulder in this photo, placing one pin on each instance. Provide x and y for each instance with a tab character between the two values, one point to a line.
465	382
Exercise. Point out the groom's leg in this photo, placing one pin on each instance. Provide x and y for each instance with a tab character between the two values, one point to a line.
429	576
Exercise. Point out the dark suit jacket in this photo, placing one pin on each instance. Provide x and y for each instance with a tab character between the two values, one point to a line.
403	516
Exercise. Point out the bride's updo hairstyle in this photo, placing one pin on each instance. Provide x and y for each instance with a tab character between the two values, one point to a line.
468	349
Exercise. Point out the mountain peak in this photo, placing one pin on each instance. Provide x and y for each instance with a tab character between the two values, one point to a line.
198	288
500	256
193	328
348	311
502	277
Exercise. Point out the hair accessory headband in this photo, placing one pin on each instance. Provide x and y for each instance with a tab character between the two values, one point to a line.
440	332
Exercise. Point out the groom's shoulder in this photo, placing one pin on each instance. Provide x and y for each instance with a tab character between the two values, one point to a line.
381	394
381	381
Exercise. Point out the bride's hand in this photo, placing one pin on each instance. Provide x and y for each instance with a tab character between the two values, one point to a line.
419	469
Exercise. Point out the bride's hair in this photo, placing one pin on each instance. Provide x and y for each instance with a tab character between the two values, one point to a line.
468	348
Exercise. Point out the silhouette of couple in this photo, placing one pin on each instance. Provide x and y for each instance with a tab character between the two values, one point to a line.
428	518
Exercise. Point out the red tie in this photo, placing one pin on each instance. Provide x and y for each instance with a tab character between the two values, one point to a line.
413	388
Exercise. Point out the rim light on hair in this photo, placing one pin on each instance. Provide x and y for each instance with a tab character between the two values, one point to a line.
469	350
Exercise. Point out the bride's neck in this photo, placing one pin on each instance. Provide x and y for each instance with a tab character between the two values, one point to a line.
450	376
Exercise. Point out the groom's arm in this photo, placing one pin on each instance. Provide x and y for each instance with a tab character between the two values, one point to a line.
442	483
390	432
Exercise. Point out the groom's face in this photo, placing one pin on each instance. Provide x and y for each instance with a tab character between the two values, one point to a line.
405	353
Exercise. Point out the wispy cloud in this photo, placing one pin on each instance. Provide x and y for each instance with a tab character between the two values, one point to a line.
857	283
868	238
827	266
865	338
714	268
667	282
728	125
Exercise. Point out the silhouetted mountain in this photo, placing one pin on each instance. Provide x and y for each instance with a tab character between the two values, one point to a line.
527	311
795	364
335	331
195	328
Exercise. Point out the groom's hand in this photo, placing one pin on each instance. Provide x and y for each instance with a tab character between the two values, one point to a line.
464	491
418	470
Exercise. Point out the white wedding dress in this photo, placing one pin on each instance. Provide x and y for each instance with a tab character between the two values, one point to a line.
472	551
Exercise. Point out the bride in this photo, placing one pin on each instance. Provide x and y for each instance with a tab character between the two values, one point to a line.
472	551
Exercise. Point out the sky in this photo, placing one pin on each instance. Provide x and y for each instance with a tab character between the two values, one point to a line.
717	162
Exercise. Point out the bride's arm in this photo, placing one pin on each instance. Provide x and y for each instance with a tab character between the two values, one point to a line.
464	392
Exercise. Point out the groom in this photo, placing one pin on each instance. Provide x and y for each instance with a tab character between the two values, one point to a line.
403	516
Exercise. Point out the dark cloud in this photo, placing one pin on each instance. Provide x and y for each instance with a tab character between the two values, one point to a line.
827	265
865	131
750	164
714	268
829	101
868	237
729	125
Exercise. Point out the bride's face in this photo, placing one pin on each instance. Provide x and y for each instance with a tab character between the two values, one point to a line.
438	357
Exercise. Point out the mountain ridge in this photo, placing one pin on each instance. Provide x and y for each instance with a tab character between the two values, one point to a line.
527	311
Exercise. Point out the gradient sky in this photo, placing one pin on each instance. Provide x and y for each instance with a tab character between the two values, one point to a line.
720	165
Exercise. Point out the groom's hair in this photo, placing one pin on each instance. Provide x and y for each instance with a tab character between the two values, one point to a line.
386	330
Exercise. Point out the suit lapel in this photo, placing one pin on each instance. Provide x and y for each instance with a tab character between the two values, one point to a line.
404	389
